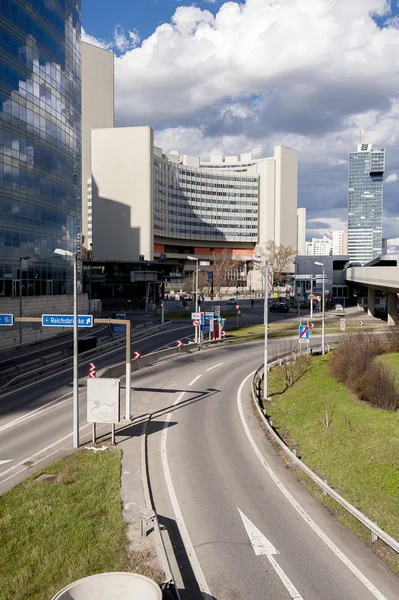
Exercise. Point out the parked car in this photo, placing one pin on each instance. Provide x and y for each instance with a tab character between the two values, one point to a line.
339	307
279	307
232	301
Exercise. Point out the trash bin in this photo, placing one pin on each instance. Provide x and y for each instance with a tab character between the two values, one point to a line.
118	586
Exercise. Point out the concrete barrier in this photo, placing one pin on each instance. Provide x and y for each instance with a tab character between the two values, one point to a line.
118	586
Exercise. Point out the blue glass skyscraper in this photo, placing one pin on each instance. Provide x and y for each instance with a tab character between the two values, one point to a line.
40	143
365	199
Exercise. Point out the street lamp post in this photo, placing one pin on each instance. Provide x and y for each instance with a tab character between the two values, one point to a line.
320	264
20	293
265	319
75	427
196	295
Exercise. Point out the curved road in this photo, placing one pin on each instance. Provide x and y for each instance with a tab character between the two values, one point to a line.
248	527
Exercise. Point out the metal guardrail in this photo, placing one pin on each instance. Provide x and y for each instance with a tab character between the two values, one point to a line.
376	532
47	368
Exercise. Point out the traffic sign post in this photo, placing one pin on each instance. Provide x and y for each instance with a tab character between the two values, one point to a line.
342	324
223	334
303	334
7	320
136	355
179	344
196	323
66	321
92	370
119	328
237	313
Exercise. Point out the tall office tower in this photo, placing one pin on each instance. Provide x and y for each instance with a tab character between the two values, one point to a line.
339	242
40	144
301	231
97	112
366	172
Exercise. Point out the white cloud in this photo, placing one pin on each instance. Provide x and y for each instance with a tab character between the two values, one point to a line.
304	73
392	178
90	39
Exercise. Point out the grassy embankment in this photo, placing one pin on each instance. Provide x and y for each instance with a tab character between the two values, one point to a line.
55	533
357	453
291	329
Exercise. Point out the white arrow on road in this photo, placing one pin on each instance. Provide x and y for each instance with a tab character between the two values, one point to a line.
3	462
263	547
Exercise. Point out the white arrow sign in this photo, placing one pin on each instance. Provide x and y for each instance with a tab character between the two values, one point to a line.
260	543
262	546
3	462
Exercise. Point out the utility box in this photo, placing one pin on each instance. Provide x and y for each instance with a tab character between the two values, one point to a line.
103	400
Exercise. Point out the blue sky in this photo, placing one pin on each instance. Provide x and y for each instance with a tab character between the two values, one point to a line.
233	77
100	16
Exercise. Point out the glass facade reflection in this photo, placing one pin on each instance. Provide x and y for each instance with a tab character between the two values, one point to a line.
40	144
365	200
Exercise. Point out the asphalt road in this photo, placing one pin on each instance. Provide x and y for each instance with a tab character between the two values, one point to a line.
248	528
36	420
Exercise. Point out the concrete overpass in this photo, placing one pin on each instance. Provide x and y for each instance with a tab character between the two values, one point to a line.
380	274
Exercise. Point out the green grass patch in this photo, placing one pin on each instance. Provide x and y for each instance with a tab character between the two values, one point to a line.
55	533
352	445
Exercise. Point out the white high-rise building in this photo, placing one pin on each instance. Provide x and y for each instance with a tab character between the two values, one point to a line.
97	111
319	246
301	231
150	203
339	243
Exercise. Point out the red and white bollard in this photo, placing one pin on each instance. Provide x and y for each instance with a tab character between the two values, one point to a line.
92	370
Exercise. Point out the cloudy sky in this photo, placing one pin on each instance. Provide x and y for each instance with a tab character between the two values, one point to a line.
234	77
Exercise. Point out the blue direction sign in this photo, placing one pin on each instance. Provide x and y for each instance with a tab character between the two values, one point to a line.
6	320
66	321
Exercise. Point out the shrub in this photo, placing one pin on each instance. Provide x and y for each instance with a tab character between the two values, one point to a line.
353	358
377	386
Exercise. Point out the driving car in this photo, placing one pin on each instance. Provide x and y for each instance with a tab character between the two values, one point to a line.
279	307
232	301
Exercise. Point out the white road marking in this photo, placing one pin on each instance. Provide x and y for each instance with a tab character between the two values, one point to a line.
41	409
194	380
291	589
3	462
37	454
347	562
262	547
199	575
214	367
260	543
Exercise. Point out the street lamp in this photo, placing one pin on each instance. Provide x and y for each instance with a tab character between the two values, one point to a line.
320	264
196	292
75	409
265	319
21	258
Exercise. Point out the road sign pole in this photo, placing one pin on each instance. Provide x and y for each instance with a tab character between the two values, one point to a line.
266	306
128	372
163	312
311	298
323	341
75	354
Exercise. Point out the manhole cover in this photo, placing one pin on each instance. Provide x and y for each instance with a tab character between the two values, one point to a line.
47	478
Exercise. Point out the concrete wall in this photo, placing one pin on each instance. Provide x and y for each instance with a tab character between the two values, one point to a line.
97	108
301	231
286	198
35	306
266	171
122	173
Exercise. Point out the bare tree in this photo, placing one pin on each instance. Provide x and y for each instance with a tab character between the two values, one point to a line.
279	258
226	270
